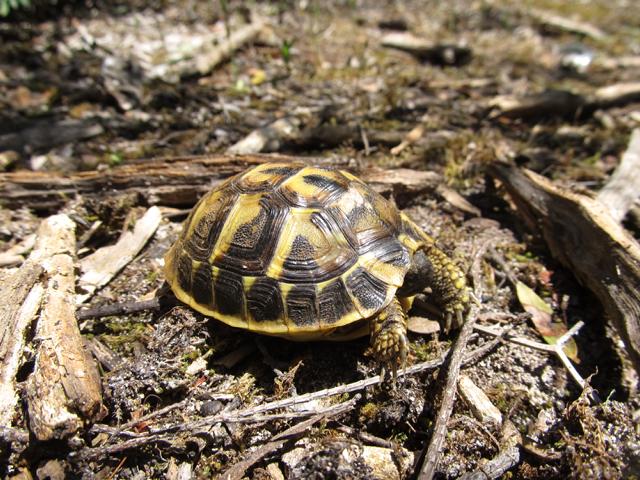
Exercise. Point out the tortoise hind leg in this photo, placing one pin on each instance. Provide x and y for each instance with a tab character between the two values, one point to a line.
389	337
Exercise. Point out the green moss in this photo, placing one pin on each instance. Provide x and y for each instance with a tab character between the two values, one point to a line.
369	411
425	351
124	333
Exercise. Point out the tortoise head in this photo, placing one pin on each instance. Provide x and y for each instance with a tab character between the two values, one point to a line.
419	277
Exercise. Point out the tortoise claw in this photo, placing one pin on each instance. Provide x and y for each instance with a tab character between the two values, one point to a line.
390	348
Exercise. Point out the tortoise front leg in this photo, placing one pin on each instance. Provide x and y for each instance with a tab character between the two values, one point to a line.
389	336
449	287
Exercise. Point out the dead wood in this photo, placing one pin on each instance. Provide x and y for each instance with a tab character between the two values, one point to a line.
563	103
434	451
14	255
237	471
582	235
64	390
481	406
267	139
21	295
107	358
102	265
177	181
208	60
563	23
550	103
367	437
623	188
168	434
617	94
49	133
125	308
438	54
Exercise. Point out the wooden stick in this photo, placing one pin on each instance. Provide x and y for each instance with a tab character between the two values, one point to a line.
64	390
207	61
267	139
102	265
557	348
448	397
623	188
125	308
567	24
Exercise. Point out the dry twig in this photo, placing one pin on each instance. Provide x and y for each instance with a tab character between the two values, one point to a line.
449	395
237	471
557	348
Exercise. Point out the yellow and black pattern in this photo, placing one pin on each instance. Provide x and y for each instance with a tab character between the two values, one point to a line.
290	249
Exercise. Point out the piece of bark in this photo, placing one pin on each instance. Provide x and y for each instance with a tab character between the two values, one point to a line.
176	182
14	255
481	407
267	139
617	94
583	236
623	188
567	24
438	54
107	358
550	103
101	266
21	295
207	61
64	389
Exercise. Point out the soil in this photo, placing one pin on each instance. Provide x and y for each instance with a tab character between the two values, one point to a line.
84	86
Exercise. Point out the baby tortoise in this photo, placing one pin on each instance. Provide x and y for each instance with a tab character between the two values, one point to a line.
308	253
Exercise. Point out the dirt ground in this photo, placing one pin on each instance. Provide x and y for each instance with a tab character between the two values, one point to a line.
99	86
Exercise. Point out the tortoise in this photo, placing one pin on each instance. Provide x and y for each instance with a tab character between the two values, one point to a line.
308	253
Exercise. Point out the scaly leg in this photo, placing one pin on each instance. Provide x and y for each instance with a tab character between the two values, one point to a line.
449	287
389	337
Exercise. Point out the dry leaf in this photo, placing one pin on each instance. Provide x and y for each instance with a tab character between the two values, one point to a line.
541	315
422	325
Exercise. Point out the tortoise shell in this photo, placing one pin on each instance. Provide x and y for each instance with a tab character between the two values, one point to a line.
288	249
